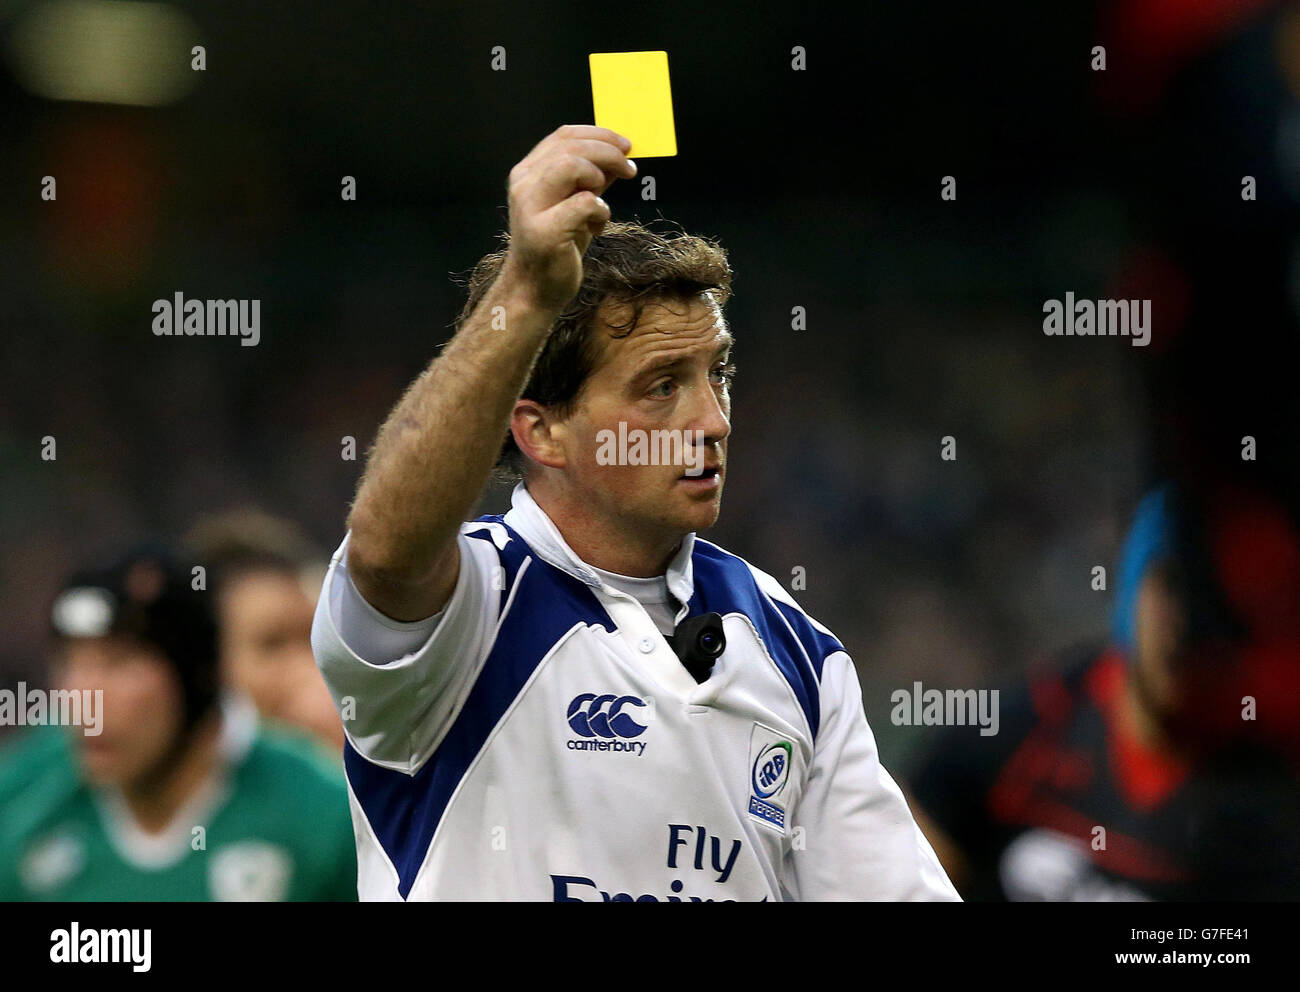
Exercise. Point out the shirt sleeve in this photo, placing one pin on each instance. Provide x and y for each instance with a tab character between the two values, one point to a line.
860	839
398	685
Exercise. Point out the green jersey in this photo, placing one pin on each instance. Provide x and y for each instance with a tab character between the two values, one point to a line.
272	825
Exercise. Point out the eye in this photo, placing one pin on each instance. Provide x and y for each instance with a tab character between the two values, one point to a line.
662	389
725	374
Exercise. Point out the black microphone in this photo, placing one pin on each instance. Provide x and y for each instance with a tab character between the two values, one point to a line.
698	642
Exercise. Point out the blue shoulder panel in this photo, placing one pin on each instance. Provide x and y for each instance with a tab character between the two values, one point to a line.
512	556
819	645
724	584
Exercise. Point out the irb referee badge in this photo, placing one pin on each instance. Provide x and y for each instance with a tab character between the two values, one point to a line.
771	761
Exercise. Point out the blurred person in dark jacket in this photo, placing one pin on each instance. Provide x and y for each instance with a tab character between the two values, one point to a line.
1162	765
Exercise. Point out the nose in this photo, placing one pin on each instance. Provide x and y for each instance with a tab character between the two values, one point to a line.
712	418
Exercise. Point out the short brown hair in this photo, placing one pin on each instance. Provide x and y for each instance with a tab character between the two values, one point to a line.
246	539
626	263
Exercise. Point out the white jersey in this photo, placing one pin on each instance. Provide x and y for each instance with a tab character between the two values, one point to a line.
544	742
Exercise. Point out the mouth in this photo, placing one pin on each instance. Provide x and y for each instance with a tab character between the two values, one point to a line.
706	478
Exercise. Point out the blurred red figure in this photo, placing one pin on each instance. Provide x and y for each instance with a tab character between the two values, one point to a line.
1162	765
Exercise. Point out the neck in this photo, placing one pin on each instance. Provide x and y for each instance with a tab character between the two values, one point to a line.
155	799
602	542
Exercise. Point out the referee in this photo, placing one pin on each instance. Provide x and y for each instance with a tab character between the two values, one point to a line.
579	700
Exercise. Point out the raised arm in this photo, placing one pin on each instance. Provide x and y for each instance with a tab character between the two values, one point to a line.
435	451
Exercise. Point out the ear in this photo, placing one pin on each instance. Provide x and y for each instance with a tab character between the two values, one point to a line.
538	433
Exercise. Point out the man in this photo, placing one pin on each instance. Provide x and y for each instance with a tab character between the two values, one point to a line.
263	571
176	794
519	723
1154	767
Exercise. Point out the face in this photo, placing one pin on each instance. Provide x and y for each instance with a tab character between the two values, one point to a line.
142	707
266	619
1187	683
1158	632
666	385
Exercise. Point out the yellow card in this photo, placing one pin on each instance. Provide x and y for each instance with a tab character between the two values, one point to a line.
631	95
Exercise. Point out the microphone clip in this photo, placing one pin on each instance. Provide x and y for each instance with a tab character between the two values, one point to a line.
698	642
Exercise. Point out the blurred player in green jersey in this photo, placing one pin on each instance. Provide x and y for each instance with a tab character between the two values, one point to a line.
177	794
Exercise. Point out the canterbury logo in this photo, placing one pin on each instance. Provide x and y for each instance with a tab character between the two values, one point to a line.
606	716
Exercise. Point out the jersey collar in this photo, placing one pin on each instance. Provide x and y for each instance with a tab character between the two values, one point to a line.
536	528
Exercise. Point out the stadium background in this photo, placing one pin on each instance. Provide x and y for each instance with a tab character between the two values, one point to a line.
924	316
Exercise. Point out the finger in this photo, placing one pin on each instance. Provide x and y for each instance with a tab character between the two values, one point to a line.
574	215
610	157
610	160
568	131
613	163
557	179
594	230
